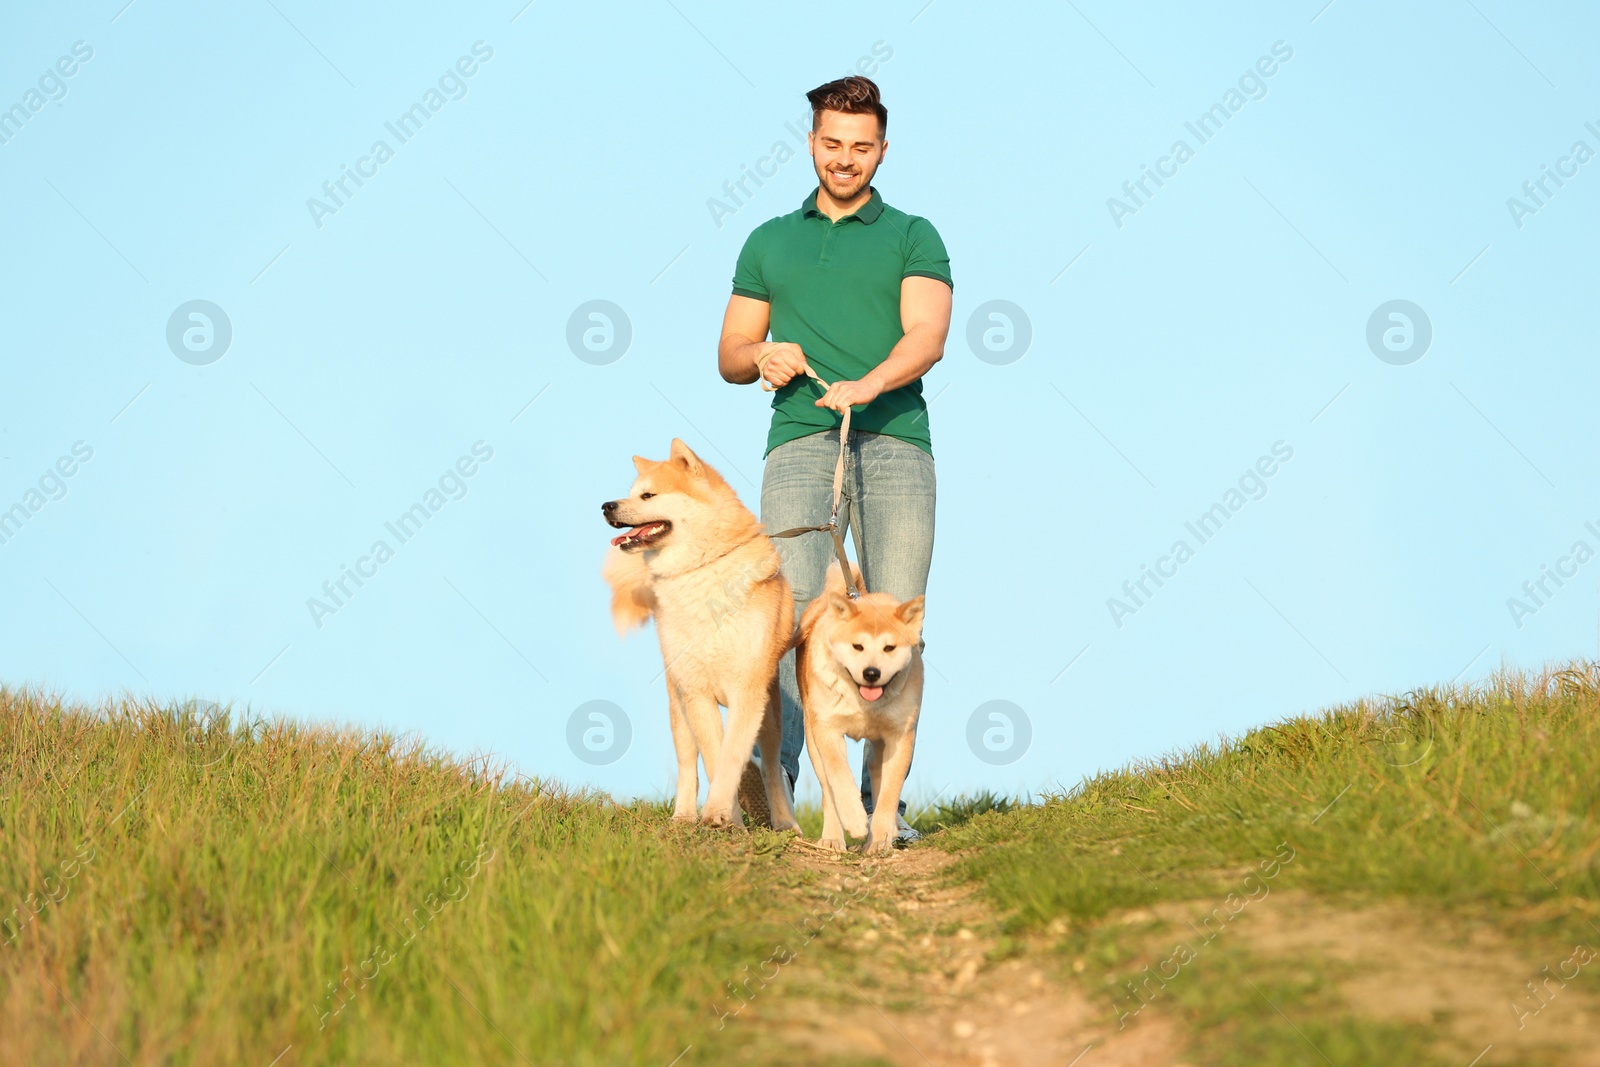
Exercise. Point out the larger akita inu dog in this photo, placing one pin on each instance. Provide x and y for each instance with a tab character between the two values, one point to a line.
696	559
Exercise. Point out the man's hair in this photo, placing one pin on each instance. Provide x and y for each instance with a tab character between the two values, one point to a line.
853	96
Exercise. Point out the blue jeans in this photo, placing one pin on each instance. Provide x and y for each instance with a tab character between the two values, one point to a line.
888	515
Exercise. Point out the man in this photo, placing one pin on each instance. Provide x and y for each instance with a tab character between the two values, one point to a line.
859	292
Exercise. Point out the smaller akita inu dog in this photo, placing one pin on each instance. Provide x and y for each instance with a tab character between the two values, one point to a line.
695	558
859	665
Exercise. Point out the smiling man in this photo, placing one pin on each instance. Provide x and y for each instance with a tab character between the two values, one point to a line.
859	292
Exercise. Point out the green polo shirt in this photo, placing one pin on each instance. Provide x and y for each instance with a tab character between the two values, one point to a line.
834	288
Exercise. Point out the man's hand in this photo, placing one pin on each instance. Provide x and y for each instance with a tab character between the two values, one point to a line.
786	360
841	395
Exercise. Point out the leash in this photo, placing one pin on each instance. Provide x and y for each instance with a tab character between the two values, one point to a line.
832	525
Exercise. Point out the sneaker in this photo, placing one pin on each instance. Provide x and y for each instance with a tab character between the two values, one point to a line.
907	834
753	796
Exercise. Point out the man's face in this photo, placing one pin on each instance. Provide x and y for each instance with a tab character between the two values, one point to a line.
846	151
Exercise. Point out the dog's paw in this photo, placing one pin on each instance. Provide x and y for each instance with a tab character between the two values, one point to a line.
833	844
854	819
722	820
879	846
684	816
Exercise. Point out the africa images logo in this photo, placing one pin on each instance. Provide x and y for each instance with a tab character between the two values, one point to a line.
452	85
1399	332
999	332
599	332
599	732
999	732
199	332
1252	85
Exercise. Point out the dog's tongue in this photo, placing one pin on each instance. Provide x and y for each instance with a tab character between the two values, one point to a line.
871	692
644	529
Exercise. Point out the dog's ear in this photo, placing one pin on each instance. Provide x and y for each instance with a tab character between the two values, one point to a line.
685	458
839	605
835	578
910	612
641	464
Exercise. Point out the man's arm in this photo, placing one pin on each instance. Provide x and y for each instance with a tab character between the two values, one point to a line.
744	340
925	318
744	334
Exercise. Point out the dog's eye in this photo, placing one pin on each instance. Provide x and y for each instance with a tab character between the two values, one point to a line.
646	496
856	647
888	648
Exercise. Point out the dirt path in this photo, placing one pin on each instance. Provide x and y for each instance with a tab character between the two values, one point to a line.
898	966
906	970
1485	998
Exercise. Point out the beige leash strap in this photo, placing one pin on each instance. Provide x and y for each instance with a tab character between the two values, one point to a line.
832	525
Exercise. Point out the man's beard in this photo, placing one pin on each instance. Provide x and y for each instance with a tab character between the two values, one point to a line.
862	178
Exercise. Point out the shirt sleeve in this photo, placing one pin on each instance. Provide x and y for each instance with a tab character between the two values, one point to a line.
747	279
925	253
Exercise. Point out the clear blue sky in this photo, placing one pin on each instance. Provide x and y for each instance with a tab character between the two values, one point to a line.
1175	340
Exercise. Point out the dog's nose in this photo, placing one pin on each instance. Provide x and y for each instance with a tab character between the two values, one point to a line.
608	507
871	674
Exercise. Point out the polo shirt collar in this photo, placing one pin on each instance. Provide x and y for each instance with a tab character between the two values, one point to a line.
867	213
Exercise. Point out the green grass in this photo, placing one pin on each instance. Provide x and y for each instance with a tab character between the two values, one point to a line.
1478	804
957	810
177	890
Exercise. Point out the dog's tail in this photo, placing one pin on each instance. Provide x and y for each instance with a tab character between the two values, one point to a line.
633	600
